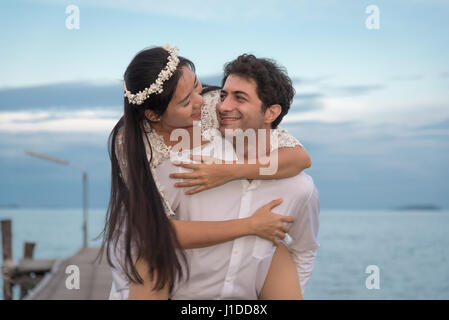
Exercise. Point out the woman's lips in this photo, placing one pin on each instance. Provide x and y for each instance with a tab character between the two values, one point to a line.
196	115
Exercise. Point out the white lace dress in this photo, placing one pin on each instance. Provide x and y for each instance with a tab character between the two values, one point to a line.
159	151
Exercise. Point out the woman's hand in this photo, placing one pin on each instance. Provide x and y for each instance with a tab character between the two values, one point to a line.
269	225
210	173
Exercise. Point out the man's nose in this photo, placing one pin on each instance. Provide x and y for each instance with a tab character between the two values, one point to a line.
225	105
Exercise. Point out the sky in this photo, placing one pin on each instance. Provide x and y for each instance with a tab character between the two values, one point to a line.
371	105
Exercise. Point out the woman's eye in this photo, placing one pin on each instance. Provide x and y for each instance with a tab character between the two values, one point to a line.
187	103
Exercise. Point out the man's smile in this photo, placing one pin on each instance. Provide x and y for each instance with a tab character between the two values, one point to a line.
228	119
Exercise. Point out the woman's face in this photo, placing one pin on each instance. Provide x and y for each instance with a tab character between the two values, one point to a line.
185	105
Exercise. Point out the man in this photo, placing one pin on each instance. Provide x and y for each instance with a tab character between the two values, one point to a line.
256	95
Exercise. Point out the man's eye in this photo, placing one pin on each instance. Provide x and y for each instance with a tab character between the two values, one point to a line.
241	98
222	97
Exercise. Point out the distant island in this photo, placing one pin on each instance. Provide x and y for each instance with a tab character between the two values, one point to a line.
420	207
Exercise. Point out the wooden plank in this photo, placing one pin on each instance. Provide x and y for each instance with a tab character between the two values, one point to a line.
95	279
7	263
34	265
28	252
7	239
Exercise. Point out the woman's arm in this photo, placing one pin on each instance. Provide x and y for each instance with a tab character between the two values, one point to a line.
263	223
291	161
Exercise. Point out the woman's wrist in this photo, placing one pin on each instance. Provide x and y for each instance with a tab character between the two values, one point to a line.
249	226
234	171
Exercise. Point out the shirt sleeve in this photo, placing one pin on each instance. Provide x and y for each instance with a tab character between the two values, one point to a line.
304	261
304	232
118	280
171	195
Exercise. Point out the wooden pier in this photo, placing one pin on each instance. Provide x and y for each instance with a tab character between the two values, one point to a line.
95	279
78	277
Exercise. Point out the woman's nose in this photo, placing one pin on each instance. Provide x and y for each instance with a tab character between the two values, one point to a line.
199	100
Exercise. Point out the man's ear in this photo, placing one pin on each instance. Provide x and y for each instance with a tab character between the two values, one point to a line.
272	113
150	115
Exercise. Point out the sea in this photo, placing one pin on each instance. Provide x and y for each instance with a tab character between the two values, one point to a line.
364	254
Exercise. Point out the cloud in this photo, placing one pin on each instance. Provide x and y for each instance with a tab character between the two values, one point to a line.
309	96
411	77
356	90
213	80
310	80
100	121
307	102
196	10
437	125
71	95
216	80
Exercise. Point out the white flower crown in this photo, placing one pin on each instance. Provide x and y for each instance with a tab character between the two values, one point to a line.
165	74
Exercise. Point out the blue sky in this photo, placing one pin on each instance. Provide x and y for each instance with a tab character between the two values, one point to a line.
372	106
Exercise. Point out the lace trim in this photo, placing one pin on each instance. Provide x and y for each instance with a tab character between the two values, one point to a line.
209	120
281	138
161	151
156	154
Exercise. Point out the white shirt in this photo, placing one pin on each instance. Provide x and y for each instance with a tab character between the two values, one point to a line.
237	269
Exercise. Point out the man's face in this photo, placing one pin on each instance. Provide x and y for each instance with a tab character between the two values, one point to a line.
240	106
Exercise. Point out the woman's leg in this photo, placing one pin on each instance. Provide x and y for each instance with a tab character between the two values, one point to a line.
145	291
282	281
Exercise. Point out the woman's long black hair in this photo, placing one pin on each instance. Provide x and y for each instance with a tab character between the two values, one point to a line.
136	213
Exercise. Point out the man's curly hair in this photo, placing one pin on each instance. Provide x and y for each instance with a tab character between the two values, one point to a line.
274	86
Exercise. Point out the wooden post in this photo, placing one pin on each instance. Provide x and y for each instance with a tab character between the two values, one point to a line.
7	259
28	252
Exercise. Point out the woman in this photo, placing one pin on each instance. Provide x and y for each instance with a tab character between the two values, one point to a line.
137	209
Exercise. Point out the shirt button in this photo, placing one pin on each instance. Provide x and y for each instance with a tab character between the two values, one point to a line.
229	280
236	251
